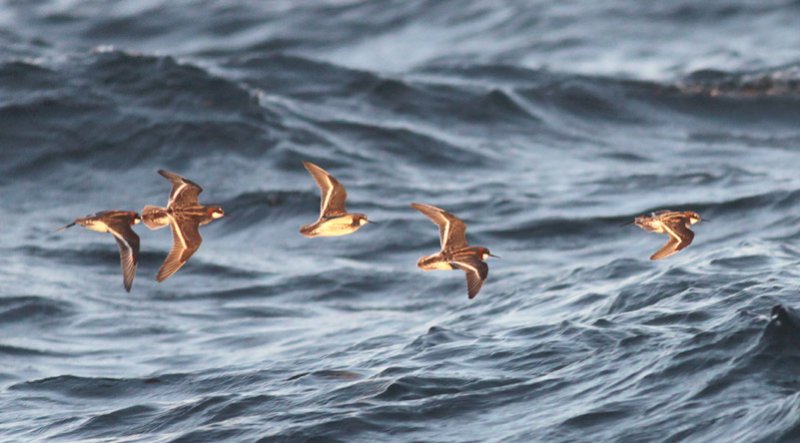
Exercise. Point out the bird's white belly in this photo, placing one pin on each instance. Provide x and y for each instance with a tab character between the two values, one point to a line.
335	227
651	225
95	225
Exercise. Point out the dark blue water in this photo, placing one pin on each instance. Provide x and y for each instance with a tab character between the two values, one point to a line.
544	125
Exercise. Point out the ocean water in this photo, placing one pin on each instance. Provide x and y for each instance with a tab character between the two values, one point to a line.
544	125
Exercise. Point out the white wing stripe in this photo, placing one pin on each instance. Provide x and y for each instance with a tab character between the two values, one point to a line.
326	198
678	239
446	232
470	267
176	227
121	238
176	193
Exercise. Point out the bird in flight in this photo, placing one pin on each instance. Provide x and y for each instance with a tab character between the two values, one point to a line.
676	224
334	220
184	215
456	252
118	224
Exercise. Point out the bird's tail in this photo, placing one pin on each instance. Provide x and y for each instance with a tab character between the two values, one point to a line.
154	217
66	226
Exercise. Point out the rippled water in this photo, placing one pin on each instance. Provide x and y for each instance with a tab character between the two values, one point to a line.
544	125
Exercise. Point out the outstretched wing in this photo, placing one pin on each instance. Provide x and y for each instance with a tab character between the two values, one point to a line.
186	240
680	236
476	271
452	231
184	192
332	193
128	243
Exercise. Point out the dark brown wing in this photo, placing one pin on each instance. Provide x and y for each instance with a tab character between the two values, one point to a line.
680	237
112	214
332	193
186	240
476	271
128	243
184	192
452	231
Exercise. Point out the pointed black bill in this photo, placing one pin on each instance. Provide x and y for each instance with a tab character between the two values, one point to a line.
65	227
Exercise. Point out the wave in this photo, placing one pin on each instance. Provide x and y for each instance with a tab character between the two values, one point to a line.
20	351
133	109
34	309
100	387
783	81
128	109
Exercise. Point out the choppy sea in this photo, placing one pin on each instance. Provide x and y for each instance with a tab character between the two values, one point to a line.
544	125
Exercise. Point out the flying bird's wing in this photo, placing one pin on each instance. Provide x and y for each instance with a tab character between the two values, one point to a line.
476	272
332	193
452	231
184	192
128	243
186	240
680	237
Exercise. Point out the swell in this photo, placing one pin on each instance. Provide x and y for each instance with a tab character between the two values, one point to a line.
33	309
746	359
740	96
783	81
324	82
24	352
102	387
610	349
115	109
129	109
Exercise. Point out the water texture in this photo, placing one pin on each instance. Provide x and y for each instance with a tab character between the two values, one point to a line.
544	125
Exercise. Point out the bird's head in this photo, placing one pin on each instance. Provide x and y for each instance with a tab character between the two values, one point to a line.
136	219
360	220
216	212
693	217
485	254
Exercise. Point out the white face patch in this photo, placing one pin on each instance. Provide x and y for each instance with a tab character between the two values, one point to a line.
137	220
485	255
362	221
216	214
